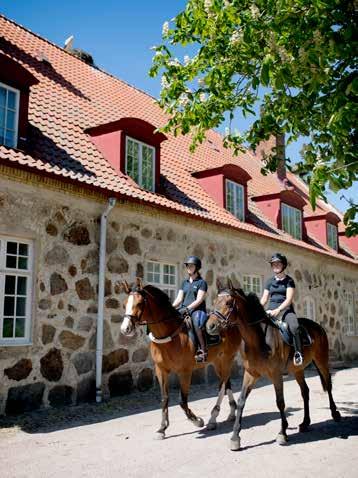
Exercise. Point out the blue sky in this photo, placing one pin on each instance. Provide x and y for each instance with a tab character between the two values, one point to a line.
118	34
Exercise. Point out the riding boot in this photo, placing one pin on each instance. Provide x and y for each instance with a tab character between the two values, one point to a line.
297	343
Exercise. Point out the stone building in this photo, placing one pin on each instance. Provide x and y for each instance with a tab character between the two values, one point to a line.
71	138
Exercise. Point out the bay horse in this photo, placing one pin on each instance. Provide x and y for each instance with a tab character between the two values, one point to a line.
173	351
233	307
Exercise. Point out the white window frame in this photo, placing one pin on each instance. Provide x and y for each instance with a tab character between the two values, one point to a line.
26	340
332	233
309	307
249	286
287	212
17	103
239	209
140	161
350	326
161	284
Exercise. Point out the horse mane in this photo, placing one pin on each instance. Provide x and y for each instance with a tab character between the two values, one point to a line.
159	296
257	310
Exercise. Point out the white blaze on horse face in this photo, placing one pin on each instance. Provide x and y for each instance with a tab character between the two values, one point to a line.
129	306
127	325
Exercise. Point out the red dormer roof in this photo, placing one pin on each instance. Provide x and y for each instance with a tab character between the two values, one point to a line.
71	98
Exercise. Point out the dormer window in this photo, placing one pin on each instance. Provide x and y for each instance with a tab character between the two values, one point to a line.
140	163
291	219
332	234
235	199
9	115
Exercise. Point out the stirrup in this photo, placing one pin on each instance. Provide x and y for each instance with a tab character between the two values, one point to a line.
297	359
201	356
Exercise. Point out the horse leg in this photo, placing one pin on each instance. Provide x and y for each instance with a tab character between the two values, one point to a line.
232	402
247	384
326	381
280	401
163	379
216	410
305	392
185	381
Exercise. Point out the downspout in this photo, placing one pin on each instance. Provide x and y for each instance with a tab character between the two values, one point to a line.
101	280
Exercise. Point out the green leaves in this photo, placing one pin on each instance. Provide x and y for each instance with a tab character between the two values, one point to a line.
302	51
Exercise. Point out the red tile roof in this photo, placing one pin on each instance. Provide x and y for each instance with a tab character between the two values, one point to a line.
72	96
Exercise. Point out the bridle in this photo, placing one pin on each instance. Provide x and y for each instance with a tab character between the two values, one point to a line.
224	321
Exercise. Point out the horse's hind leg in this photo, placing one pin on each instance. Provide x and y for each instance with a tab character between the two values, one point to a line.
247	384
216	410
163	379
326	380
305	392
185	380
280	401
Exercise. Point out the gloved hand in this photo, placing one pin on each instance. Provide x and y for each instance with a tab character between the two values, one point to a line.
183	311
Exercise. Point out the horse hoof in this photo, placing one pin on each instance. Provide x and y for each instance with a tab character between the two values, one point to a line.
304	427
231	418
336	416
211	426
281	439
159	436
235	444
199	422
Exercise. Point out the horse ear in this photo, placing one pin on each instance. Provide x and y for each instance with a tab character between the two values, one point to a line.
139	283
126	287
229	284
218	284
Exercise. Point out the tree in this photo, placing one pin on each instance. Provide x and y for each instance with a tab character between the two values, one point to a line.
293	60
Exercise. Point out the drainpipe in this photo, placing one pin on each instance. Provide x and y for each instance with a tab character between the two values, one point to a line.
101	278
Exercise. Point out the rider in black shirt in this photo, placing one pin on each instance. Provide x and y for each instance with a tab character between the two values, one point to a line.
279	292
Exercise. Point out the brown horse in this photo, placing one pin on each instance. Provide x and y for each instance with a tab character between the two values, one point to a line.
233	307
173	351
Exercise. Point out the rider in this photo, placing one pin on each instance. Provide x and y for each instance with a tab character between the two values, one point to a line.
279	291
191	300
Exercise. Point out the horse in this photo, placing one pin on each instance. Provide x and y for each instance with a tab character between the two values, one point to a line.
233	307
173	351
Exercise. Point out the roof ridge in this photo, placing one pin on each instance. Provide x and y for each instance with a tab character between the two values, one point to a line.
73	56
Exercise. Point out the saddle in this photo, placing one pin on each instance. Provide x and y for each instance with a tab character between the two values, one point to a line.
287	335
210	340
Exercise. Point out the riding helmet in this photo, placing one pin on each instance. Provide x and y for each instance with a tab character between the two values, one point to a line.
193	260
279	257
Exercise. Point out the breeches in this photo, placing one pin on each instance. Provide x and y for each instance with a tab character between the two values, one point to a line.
292	322
199	318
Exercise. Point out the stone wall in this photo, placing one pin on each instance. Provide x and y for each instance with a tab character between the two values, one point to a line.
58	367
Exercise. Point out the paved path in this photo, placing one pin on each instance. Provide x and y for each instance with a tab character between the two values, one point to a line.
116	439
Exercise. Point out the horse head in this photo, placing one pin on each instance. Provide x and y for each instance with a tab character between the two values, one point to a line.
134	307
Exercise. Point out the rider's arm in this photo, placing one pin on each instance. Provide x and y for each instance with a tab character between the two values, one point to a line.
289	298
179	298
199	299
265	297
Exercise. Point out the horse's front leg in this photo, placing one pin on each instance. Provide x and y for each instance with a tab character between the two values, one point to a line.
216	410
163	379
185	381
280	401
247	384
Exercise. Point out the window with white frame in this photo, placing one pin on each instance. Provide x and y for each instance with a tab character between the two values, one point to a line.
235	199
350	326
309	308
15	290
140	163
291	219
252	283
332	234
9	115
163	276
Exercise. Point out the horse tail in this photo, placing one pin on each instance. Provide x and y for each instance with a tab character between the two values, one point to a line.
324	383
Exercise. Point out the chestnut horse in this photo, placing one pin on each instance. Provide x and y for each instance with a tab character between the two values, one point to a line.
173	351
233	307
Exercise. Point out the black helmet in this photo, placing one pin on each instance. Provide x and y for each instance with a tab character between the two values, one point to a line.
193	260
279	257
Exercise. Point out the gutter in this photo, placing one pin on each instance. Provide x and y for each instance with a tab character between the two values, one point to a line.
100	313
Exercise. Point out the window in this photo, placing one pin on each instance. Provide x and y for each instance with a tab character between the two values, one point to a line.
164	276
309	309
349	314
235	199
9	115
332	236
252	283
291	220
140	163
15	290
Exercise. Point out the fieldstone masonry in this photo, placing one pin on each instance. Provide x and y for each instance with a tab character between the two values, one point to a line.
58	367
